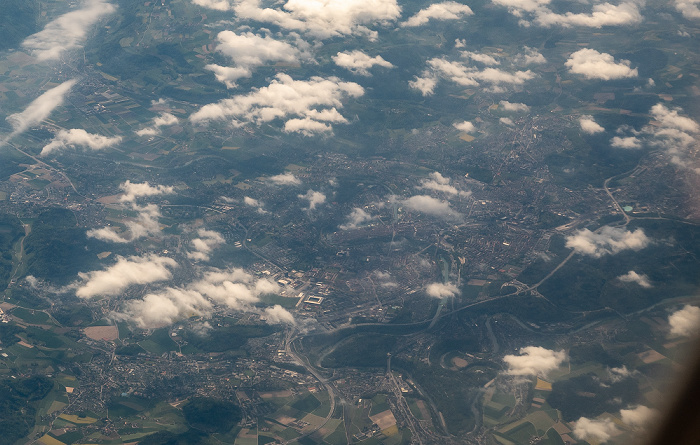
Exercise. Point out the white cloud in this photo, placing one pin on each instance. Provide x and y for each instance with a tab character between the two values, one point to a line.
619	374
518	107
594	430
609	241
689	8
355	219
481	58
638	417
285	179
634	277
278	315
248	51
67	31
507	121
124	273
439	183
465	126
589	125
145	224
247	200
207	241
135	190
315	198
359	62
442	290
530	56
534	360
219	5
594	65
306	106
79	137
40	108
601	14
675	133
431	206
685	322
628	143
162	120
439	11
233	288
321	18
493	79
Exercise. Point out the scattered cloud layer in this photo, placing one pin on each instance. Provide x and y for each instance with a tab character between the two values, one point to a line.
634	277
467	75
124	273
358	62
285	179
162	120
431	206
676	134
609	241
202	246
248	51
439	11
78	137
145	224
67	31
589	125
685	322
136	190
594	65
306	106
534	360
314	198
233	288
442	290
438	183
40	108
537	12
356	218
689	8
594	429
321	19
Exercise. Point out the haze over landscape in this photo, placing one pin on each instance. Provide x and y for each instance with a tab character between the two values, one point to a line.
346	221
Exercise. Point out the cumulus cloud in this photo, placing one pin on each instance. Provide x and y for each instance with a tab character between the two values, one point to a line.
321	19
602	14
689	8
162	120
628	143
481	58
359	62
40	108
534	360
248	51
78	137
306	106
315	198
592	429
67	31
594	65
442	290
638	417
530	56
609	241
685	322
431	206
232	288
439	183
518	107
285	179
207	241
619	374
507	121
145	224
589	125
135	190
465	126
439	11
464	74
247	200
675	133
124	273
356	218
634	277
